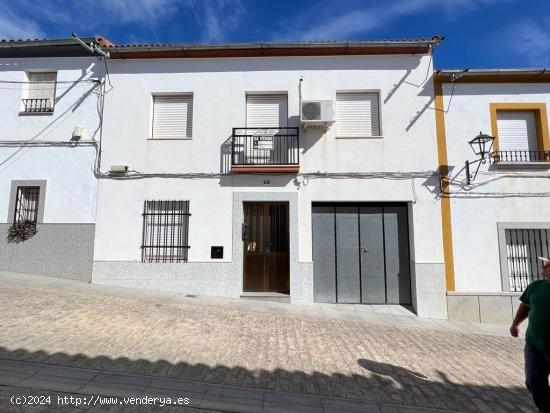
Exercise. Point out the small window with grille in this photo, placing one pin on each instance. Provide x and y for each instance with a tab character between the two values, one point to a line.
165	231
523	246
26	203
40	92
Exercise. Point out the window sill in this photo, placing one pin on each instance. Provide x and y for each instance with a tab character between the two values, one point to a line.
360	137
521	165
22	113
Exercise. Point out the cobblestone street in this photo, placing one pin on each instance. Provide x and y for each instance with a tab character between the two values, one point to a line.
339	358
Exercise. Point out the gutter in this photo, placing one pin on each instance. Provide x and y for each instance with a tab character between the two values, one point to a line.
290	45
492	74
42	43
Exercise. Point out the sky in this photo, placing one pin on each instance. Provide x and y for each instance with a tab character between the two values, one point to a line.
478	33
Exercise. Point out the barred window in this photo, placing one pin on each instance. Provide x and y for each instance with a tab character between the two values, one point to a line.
26	203
165	231
523	246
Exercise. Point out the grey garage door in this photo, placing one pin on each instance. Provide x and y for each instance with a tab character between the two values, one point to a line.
361	253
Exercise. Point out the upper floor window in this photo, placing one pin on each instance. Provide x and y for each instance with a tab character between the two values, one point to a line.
172	116
357	115
40	92
26	203
516	131
266	111
521	132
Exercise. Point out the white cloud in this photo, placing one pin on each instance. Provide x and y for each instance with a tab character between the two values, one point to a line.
13	26
327	23
217	17
531	39
135	11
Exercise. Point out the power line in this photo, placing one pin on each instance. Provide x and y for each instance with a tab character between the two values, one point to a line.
45	82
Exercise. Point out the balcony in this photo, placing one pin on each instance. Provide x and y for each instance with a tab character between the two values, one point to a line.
38	105
527	159
265	150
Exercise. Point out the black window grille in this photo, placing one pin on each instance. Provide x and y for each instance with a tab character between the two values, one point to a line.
523	246
26	203
165	231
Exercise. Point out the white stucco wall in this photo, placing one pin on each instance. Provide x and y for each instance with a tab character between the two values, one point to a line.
219	88
71	186
475	216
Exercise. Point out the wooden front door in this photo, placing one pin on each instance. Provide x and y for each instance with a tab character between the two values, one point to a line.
265	243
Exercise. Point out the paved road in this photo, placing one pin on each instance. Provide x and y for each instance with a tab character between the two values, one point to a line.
319	356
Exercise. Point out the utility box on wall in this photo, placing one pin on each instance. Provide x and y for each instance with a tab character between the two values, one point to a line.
216	252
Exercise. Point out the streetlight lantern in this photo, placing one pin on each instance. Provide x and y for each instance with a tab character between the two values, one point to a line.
481	144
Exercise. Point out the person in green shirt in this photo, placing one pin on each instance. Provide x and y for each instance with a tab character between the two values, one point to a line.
535	304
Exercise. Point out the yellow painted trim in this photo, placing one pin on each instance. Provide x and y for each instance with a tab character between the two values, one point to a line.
541	120
445	200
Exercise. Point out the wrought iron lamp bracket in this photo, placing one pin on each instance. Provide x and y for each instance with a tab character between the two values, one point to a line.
469	176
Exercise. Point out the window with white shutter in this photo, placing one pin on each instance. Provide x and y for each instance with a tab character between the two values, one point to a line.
172	116
357	115
266	111
516	131
40	92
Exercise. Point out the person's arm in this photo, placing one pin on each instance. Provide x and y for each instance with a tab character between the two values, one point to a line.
521	314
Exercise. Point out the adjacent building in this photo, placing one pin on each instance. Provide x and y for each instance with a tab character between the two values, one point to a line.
50	112
495	223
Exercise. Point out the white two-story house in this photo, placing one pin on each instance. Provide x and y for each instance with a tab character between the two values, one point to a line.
302	170
496	210
50	116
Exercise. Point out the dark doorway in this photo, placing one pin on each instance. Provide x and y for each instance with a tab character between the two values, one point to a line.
361	253
266	247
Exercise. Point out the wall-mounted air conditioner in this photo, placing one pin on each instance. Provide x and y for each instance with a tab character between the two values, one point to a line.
317	112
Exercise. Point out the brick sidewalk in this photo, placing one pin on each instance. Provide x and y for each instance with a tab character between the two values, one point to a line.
350	359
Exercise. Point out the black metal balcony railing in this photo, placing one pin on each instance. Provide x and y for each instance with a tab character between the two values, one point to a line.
265	146
38	105
521	156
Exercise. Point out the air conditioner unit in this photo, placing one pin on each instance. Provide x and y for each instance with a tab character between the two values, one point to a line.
317	112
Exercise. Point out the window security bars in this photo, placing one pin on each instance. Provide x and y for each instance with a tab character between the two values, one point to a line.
165	231
38	105
521	156
26	204
523	246
265	146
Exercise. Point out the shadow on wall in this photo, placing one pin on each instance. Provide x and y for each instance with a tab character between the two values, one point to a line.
225	155
386	383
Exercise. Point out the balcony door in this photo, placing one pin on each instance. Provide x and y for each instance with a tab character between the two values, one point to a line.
266	247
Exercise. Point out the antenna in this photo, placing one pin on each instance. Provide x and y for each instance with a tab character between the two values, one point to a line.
92	47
